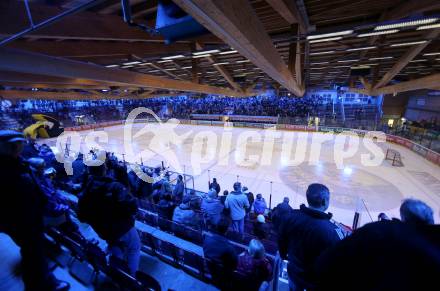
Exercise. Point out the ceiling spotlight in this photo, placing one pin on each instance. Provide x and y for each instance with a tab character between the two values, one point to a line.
131	63
243	61
173	57
206	52
437	25
378	33
326	39
408	43
322	53
431	54
201	56
112	66
380	58
222	63
407	23
227	52
331	34
361	48
164	61
347	61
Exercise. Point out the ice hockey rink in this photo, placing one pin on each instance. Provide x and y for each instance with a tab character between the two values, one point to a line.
205	154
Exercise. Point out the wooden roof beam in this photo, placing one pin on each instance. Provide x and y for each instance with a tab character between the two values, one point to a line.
236	22
32	63
84	25
428	82
410	54
289	10
221	69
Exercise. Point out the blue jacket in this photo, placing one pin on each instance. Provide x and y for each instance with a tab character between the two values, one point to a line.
185	215
237	203
212	209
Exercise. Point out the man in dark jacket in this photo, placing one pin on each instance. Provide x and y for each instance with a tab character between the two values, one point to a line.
280	211
179	189
214	185
21	214
222	259
305	234
108	207
385	255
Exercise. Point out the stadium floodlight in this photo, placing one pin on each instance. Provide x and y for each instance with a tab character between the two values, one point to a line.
380	58
227	52
361	48
378	33
205	52
331	34
431	26
432	54
408	43
326	39
131	63
348	61
322	53
406	23
112	66
173	57
201	56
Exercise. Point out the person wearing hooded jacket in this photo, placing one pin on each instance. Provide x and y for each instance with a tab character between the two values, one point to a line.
107	206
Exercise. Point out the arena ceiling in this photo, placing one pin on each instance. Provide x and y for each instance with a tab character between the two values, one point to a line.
252	45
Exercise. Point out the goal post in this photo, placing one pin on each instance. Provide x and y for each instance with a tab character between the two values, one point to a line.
395	158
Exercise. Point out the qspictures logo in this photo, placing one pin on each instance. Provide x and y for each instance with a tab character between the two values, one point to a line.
209	145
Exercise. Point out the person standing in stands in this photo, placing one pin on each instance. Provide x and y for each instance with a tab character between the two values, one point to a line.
396	255
185	215
211	208
21	214
237	203
305	234
259	205
214	185
107	206
221	254
179	190
281	211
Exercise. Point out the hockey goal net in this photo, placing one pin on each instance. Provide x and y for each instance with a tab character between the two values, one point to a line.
395	158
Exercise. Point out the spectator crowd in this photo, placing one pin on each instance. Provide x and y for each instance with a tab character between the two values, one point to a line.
92	111
390	254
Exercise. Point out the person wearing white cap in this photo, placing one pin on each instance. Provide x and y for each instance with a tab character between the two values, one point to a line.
21	214
261	229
